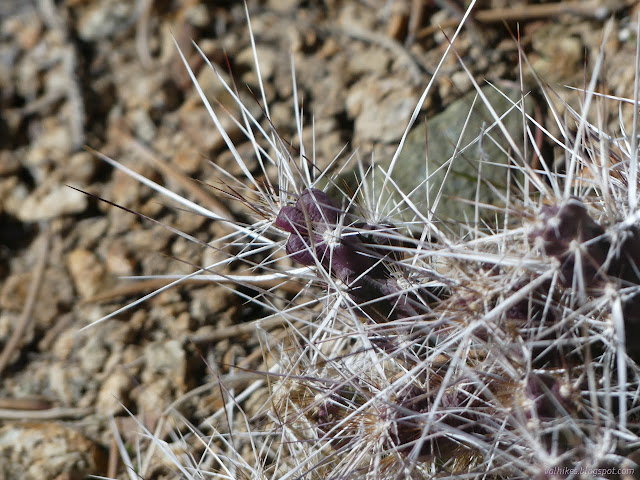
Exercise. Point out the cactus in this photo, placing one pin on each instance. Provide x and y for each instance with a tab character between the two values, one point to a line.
509	351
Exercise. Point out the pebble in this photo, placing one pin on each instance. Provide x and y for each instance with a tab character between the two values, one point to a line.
126	191
105	19
9	163
119	261
80	168
142	125
51	201
90	231
113	395
34	451
87	272
12	194
197	15
69	382
8	321
51	142
381	108
268	59
151	395
188	159
14	293
167	359
366	61
558	57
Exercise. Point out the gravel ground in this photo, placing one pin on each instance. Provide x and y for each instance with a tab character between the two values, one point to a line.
106	75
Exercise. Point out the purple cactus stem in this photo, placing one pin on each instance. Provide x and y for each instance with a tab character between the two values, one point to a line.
568	223
546	393
456	409
571	222
318	235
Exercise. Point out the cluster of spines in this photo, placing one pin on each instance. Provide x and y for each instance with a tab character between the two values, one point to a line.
450	386
501	356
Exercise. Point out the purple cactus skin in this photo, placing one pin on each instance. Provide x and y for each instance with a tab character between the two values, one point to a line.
458	408
546	393
319	235
601	260
569	223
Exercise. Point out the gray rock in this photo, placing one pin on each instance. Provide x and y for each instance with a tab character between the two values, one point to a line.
478	152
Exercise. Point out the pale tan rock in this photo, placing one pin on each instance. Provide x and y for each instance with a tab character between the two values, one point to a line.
36	451
381	108
80	168
9	163
105	19
87	272
118	260
50	202
166	360
153	397
13	294
113	394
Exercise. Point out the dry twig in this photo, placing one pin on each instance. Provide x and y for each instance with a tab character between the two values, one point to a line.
26	317
48	414
529	12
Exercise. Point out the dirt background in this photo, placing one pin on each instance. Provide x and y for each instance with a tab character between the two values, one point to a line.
106	74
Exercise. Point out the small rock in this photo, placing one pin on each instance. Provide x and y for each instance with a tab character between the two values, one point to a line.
119	261
181	326
126	191
166	359
52	142
369	61
33	451
560	56
143	126
198	127
89	232
13	194
63	345
95	351
461	81
188	160
87	272
8	321
29	33
50	202
381	108
268	59
105	19
113	394
146	241
211	301
153	396
444	132
69	382
9	163
197	15
14	292
80	168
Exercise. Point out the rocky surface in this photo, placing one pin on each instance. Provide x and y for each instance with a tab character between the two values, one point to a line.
106	74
